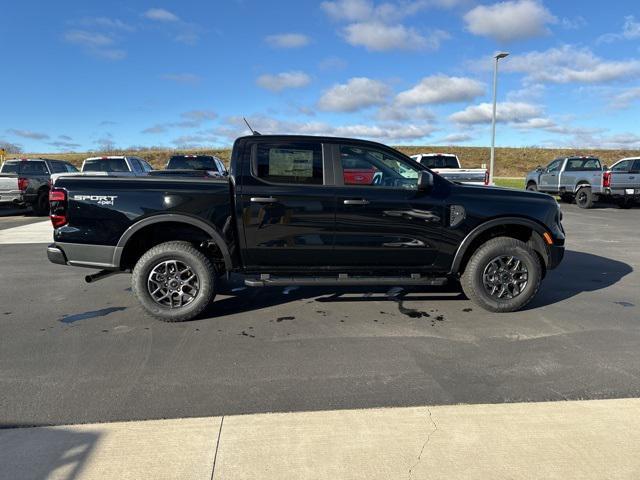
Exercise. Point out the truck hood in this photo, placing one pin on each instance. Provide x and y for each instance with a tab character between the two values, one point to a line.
502	193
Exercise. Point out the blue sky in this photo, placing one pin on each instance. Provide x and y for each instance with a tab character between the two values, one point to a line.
83	75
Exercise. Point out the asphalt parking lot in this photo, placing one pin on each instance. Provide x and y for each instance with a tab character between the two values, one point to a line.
72	352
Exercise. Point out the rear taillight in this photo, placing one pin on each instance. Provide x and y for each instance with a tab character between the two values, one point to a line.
23	183
58	205
606	179
486	177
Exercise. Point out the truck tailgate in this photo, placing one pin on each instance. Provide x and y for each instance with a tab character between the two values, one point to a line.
8	182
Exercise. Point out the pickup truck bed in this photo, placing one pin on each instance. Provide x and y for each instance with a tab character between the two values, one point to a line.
287	214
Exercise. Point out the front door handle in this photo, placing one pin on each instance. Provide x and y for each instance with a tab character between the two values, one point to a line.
263	200
360	201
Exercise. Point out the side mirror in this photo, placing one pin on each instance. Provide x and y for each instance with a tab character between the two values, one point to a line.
425	180
539	168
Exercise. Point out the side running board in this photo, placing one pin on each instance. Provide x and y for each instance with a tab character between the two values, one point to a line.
267	280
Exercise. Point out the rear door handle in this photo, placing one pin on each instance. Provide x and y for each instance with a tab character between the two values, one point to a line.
263	200
361	201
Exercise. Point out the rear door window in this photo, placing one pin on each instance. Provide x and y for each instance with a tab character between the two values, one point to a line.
58	167
623	166
296	163
636	166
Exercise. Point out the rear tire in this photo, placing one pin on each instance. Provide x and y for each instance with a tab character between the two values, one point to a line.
482	282
180	297
584	197
41	207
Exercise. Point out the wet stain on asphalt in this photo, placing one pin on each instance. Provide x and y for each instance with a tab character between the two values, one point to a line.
245	334
467	309
7	313
625	304
87	315
321	312
282	319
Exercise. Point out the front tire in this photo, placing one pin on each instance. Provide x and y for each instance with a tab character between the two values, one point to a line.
174	281
584	197
503	275
532	187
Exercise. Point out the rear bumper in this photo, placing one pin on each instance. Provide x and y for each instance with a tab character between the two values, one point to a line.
622	192
56	255
81	255
11	197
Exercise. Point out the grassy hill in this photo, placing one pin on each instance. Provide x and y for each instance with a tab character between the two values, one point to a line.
510	162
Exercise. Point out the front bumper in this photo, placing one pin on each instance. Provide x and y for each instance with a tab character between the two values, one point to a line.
556	254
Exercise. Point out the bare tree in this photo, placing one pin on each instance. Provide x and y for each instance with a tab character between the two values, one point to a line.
10	147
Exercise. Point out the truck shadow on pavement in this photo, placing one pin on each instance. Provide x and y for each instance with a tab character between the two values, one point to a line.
41	453
579	272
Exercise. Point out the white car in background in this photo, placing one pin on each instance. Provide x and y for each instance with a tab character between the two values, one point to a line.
447	165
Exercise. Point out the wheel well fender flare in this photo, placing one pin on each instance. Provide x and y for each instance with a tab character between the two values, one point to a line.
217	238
581	184
483	227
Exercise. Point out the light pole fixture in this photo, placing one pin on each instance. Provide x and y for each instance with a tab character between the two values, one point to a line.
497	57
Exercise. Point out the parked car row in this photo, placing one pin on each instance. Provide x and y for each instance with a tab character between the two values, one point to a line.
586	180
448	166
26	182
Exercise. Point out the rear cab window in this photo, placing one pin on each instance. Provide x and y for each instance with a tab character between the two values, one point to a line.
34	168
10	167
439	161
582	164
192	162
289	163
110	165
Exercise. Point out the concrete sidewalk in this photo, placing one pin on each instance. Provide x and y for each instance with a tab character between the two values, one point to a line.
595	439
37	232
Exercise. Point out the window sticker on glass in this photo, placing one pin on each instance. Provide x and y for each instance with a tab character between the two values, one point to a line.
290	163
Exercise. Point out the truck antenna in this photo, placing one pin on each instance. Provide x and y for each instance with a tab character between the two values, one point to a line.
254	132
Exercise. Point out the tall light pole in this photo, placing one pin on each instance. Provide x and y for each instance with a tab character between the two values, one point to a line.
493	119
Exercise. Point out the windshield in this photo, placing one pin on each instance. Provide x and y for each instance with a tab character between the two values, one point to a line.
192	162
105	165
10	167
439	161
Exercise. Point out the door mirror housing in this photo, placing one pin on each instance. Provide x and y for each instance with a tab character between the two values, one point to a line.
425	180
539	168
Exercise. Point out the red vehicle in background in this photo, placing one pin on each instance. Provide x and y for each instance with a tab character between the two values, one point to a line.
357	172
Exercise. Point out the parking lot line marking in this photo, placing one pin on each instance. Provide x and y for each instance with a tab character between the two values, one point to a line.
40	232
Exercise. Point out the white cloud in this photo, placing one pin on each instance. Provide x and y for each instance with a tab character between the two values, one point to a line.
378	36
288	40
398	113
106	22
441	89
509	112
161	15
183	78
630	31
387	132
356	94
88	39
95	43
453	138
509	21
626	98
284	80
388	11
332	63
28	134
569	64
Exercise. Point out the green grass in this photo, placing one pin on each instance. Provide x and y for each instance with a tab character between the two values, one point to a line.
510	182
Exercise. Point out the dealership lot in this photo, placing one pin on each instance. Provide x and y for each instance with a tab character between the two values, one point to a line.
72	352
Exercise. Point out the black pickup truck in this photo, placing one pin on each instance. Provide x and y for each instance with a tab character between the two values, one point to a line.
288	215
